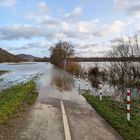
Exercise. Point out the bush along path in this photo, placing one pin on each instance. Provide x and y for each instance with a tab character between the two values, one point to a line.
14	105
115	113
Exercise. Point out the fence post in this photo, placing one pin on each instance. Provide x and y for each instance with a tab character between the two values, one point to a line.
128	104
101	93
87	81
73	75
79	82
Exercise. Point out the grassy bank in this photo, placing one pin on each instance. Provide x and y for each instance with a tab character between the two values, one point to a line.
115	113
3	72
12	99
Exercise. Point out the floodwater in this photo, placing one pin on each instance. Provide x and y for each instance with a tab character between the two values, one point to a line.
50	78
19	73
23	72
48	74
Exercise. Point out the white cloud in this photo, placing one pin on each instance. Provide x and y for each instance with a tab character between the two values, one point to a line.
46	19
42	6
131	7
40	44
114	28
68	27
43	18
26	31
120	4
40	48
91	49
52	29
78	29
59	28
87	26
76	13
60	35
8	3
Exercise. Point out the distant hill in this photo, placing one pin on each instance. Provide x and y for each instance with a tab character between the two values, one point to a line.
5	56
27	57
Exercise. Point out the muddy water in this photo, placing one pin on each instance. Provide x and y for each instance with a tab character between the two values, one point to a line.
58	84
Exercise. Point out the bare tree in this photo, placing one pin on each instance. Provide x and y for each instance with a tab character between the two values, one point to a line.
125	73
60	52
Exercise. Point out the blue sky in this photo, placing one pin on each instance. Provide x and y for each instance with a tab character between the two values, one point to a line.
33	26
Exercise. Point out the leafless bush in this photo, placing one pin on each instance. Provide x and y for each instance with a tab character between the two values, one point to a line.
125	73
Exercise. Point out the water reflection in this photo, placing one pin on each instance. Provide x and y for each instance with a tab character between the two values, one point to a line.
118	93
63	82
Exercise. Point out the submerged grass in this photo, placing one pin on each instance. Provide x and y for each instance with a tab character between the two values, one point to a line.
115	113
13	98
1	79
3	72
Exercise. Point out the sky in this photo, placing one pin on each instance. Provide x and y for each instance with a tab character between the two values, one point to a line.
33	26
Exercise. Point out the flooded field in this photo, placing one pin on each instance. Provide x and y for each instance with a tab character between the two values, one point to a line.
19	73
23	72
50	75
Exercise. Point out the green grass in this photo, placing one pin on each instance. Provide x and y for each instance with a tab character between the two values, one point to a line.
13	98
3	72
115	113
